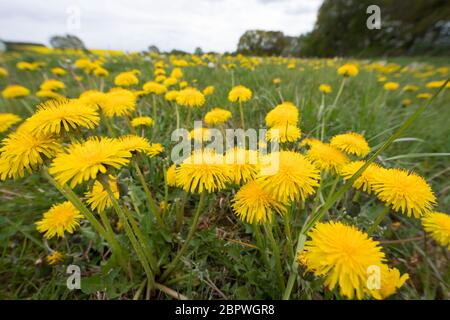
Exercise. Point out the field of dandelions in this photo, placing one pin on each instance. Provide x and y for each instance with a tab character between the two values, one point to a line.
357	209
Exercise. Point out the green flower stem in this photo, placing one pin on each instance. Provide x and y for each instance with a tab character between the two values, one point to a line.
154	112
106	223
333	186
153	207
337	195
185	245
378	220
27	106
294	266
180	211
327	113
260	244
341	89
177	113
288	233
144	241
320	118
165	209
241	111
356	196
276	253
188	118
129	232
109	235
108	124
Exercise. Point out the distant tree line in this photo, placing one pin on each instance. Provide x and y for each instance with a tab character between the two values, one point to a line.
407	28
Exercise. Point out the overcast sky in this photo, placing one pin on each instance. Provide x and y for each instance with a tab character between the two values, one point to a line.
214	25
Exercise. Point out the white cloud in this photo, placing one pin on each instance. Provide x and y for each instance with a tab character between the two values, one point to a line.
135	24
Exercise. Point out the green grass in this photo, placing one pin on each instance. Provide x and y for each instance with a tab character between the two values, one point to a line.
222	261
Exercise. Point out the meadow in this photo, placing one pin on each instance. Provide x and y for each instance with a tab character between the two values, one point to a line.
87	178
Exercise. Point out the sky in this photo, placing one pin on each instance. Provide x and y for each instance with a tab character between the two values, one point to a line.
133	25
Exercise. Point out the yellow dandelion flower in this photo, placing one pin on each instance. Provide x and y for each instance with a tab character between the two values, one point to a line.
391	86
293	179
348	70
424	95
50	95
7	120
183	84
159	71
390	282
200	134
438	225
253	204
435	84
82	161
58	71
239	94
351	143
410	87
30	66
82	63
155	150
190	97
93	98
55	257
15	91
160	79
366	179
54	115
217	116
3	72
308	142
62	217
126	79
118	102
142	121
101	72
176	73
203	171
326	157
134	143
154	87
342	254
325	88
406	102
284	133
282	114
171	95
243	164
301	260
171	176
170	81
23	151
208	90
404	191
276	81
52	85
98	198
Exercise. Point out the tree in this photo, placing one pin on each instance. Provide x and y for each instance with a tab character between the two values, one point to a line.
67	42
259	42
153	49
198	51
407	27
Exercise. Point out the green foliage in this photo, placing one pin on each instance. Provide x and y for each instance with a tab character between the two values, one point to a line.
407	28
